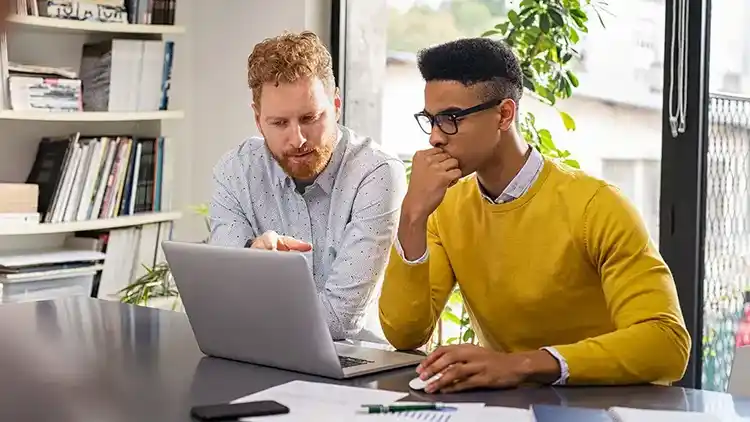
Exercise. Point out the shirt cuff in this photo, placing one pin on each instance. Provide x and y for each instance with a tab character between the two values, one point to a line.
564	372
420	260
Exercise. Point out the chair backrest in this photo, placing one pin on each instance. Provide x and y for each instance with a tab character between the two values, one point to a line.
739	378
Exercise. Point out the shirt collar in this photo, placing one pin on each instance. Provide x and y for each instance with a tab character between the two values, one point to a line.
327	177
522	181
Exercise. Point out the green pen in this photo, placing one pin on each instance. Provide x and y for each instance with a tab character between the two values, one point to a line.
411	407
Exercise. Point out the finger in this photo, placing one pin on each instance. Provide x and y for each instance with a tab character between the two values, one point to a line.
432	357
272	240
454	175
282	245
296	244
433	151
440	364
438	158
474	381
457	373
449	164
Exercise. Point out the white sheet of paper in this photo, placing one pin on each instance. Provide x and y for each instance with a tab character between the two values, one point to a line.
424	415
310	401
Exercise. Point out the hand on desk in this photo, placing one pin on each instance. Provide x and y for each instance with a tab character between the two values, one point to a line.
273	241
467	366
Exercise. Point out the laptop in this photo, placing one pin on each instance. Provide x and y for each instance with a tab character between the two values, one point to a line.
262	307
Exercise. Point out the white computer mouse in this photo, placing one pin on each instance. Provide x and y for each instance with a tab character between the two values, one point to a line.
419	384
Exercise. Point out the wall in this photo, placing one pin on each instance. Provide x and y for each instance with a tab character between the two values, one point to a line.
210	83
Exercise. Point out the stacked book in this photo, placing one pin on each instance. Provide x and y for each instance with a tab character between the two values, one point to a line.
84	178
43	88
126	75
110	11
48	274
18	203
156	12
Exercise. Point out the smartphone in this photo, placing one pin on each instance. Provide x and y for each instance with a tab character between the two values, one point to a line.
230	412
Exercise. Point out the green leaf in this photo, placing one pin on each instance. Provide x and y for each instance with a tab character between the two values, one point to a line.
502	27
572	163
468	335
573	34
568	121
578	14
545	137
556	17
566	87
514	19
546	93
544	23
451	317
491	32
573	78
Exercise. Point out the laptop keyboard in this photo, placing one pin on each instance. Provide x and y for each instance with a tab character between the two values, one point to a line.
348	362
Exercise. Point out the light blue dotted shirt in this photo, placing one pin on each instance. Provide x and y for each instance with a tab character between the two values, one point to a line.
349	214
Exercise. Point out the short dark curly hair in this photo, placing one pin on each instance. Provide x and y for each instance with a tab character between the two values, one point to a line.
474	61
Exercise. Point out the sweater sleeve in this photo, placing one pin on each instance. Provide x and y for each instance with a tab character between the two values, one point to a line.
650	343
414	294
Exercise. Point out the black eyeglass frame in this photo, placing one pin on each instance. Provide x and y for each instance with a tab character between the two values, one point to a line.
454	115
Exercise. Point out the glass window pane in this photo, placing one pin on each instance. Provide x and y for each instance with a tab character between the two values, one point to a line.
726	311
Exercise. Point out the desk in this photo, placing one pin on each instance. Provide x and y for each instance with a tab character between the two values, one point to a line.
90	360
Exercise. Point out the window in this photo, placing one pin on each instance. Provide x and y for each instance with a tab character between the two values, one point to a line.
639	181
617	106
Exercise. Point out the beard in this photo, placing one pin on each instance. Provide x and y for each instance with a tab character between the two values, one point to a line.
305	163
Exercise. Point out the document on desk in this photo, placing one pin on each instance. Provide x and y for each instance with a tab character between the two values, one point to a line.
310	401
465	412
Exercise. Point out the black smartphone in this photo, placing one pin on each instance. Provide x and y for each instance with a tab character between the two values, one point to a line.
230	412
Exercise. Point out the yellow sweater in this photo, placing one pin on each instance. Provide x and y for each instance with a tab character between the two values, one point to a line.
568	265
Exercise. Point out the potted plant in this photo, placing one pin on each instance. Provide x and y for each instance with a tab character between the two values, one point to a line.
157	288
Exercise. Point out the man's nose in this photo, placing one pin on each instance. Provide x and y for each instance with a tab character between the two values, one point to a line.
437	137
298	137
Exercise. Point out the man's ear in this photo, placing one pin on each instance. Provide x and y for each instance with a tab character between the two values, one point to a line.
337	103
508	111
256	112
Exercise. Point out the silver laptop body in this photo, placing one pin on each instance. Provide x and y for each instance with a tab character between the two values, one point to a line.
262	307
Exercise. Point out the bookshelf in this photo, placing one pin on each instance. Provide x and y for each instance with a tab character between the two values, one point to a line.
40	23
109	181
90	225
90	116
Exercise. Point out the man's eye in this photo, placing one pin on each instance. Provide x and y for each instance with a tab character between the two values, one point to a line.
310	119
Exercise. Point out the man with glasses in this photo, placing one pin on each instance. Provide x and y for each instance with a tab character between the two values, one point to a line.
557	271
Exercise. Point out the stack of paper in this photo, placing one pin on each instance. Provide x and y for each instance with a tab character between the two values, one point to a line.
308	401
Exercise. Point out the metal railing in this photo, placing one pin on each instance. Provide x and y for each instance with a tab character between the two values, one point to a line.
727	241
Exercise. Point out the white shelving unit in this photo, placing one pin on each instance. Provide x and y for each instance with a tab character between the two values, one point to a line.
57	42
90	116
64	25
89	225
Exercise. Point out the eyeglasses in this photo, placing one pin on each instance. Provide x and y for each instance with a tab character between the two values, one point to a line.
447	121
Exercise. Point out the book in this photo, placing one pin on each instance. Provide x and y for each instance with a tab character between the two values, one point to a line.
84	178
